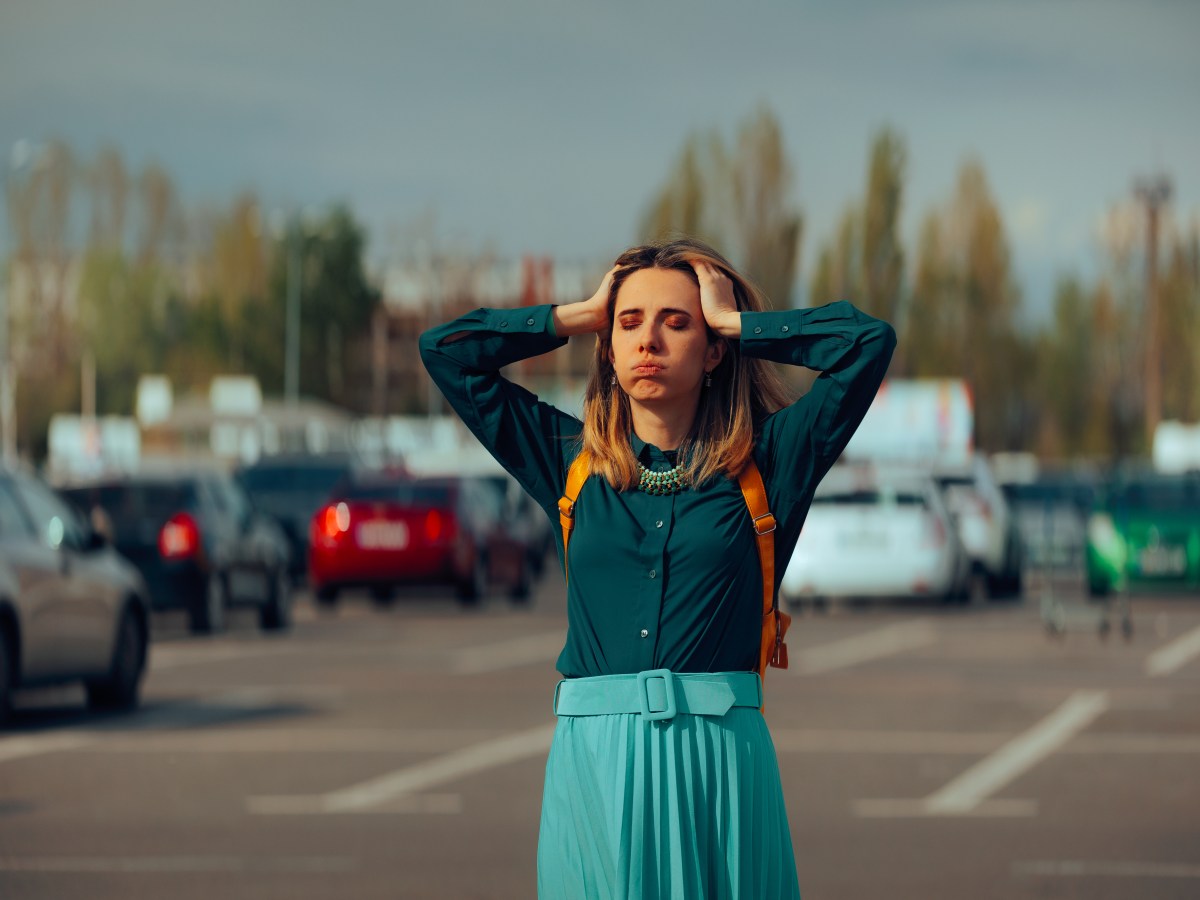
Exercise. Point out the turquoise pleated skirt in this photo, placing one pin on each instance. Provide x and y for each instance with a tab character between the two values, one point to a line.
685	809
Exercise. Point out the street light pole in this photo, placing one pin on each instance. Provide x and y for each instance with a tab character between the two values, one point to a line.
1154	193
291	363
20	153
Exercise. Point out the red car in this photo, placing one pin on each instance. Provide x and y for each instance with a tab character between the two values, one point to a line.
384	531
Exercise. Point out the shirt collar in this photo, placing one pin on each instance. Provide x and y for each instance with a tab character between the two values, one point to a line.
647	454
639	446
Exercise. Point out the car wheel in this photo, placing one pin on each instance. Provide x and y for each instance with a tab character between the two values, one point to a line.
383	595
276	614
327	597
7	675
472	590
208	615
120	688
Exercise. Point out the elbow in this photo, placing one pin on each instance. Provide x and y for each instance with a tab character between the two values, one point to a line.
427	345
887	335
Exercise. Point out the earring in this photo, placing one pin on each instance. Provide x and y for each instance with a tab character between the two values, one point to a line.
614	379
708	379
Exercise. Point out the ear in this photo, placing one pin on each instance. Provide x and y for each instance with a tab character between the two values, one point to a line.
715	353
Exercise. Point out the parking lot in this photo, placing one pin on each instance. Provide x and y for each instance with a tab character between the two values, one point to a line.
927	751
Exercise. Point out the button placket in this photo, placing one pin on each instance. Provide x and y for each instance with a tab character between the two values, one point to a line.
657	512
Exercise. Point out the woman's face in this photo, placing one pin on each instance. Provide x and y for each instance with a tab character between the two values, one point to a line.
660	349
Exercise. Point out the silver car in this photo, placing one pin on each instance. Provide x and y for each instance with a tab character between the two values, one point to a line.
873	533
986	524
71	609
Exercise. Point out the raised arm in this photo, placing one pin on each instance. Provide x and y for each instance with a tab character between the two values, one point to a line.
851	350
464	357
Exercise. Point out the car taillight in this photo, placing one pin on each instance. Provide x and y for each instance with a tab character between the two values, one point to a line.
179	538
333	521
435	525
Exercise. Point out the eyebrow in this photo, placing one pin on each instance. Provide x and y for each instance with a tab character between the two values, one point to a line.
668	311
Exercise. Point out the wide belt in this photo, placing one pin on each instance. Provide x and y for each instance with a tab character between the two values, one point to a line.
658	694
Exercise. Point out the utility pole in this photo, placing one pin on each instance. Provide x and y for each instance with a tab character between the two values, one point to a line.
1153	193
291	340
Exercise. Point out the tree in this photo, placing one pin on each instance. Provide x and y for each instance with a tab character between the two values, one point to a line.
768	227
336	304
738	202
963	316
864	261
240	272
108	184
1179	298
882	255
837	274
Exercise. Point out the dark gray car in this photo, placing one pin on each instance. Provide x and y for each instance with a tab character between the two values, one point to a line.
197	542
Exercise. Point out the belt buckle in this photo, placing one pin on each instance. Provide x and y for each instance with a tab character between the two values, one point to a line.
668	678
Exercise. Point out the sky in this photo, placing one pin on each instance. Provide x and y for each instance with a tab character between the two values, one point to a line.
532	126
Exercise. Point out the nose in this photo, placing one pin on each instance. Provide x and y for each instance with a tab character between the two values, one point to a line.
648	338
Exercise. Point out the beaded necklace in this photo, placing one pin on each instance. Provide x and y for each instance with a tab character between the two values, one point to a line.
661	483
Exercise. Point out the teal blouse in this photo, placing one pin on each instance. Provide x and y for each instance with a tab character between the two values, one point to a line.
665	581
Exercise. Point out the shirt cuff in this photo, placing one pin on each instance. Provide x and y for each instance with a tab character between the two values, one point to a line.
771	326
522	320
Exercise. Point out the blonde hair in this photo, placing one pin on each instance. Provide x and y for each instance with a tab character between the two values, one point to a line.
744	390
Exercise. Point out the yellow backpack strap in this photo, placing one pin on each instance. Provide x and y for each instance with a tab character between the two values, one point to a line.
773	650
576	476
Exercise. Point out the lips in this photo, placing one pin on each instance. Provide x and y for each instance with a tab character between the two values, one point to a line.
647	370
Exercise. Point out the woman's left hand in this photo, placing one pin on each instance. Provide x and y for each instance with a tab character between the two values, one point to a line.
717	300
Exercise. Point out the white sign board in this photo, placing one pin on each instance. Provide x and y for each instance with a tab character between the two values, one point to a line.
917	420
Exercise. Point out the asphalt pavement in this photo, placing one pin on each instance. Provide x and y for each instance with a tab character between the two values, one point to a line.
927	752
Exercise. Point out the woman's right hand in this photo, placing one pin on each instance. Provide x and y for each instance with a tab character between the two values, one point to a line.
586	316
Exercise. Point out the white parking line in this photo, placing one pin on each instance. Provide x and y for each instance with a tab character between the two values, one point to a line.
1166	660
1019	755
957	743
967	794
522	651
174	656
155	865
1080	868
370	795
860	648
16	747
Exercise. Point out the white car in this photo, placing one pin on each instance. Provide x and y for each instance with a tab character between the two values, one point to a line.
871	533
986	524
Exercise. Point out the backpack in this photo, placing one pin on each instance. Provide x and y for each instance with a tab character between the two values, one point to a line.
775	622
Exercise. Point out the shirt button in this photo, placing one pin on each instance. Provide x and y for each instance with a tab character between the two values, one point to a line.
529	321
758	331
645	633
653	574
785	328
658	524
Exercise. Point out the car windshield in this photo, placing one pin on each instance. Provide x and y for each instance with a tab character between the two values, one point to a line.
1163	496
405	493
128	503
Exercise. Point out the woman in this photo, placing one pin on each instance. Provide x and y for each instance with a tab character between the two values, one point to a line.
662	568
